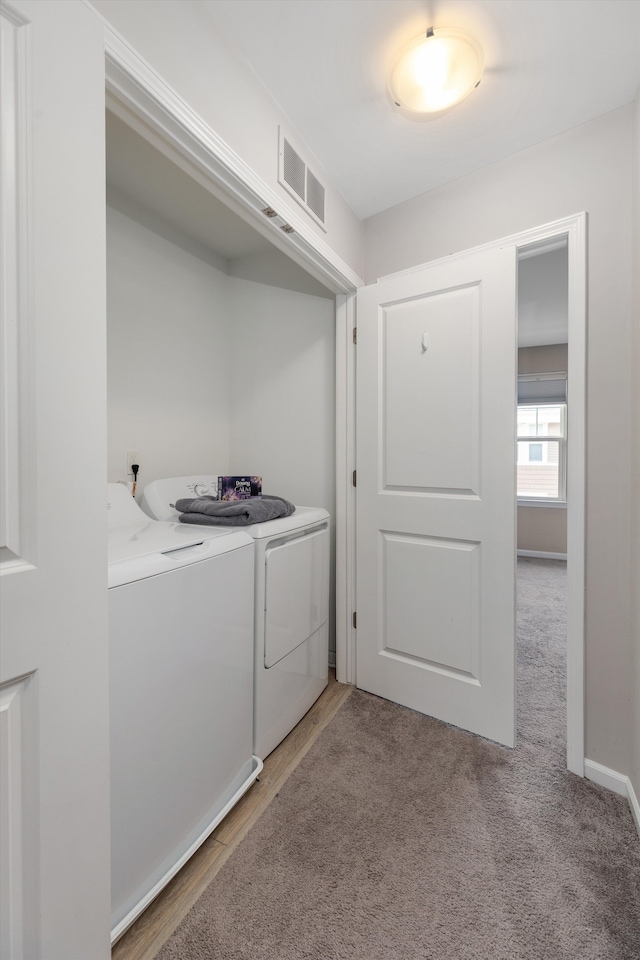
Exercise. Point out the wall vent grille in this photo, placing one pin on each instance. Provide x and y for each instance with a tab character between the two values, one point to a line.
315	195
294	169
296	177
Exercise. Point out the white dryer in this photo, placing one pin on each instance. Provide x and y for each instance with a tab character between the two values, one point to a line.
181	693
291	628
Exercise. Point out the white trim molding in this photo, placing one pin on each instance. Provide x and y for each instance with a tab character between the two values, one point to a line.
12	788
547	504
542	554
17	546
634	803
345	491
18	818
617	782
139	96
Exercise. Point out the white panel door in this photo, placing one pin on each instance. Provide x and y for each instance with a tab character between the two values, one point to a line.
436	375
54	764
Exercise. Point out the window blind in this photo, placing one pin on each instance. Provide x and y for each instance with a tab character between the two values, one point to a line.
543	388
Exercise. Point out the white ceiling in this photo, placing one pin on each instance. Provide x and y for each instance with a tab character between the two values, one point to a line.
549	66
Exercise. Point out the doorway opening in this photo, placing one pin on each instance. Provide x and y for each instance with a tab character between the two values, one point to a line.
552	308
541	475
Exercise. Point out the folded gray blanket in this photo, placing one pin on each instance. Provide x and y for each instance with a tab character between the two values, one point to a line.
233	513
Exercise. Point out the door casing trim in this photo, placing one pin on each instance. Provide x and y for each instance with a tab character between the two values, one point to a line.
527	242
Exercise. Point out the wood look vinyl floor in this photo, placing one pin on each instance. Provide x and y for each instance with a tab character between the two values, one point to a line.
146	936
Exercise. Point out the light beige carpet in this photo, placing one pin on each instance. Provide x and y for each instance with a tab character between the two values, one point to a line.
399	837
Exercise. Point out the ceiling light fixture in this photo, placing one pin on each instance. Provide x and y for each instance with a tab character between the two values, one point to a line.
435	71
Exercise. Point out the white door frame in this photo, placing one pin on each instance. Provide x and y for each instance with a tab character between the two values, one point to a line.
574	229
142	99
138	96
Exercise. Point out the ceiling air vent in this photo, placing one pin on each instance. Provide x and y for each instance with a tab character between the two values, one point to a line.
295	176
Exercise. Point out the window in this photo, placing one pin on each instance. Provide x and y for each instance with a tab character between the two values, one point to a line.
535	452
541	441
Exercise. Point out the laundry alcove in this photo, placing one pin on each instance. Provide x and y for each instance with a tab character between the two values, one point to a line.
221	349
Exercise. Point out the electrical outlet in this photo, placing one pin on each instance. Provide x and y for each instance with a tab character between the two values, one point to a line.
132	457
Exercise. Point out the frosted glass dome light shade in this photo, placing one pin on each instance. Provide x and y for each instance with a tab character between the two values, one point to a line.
435	71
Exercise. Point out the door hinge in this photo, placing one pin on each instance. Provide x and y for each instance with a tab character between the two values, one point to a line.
354	620
353	478
355	334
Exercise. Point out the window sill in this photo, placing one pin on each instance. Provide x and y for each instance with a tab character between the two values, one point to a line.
554	504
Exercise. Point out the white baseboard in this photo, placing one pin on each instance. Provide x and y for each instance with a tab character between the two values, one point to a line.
615	781
634	803
542	555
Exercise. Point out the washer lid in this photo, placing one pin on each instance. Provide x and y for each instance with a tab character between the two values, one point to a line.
132	535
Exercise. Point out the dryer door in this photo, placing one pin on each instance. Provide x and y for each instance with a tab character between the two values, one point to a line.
296	591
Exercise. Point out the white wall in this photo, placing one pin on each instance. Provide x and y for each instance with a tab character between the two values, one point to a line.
209	373
168	368
183	43
282	399
586	169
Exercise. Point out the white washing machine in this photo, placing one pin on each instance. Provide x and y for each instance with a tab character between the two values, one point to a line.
291	629
181	693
